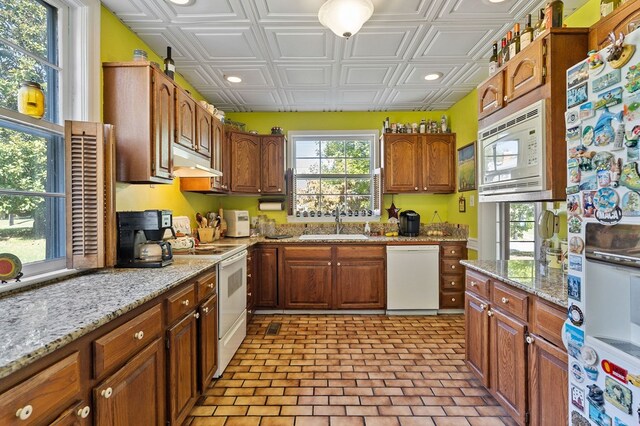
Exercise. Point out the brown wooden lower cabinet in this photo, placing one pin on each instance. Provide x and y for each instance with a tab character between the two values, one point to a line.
182	368
529	381
360	284
266	287
76	415
548	378
133	395
208	339
307	284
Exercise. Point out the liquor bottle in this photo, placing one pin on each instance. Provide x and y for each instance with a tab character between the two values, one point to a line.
556	9
169	66
540	26
527	34
607	6
514	47
493	61
503	47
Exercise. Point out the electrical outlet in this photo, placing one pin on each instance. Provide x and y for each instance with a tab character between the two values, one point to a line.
472	200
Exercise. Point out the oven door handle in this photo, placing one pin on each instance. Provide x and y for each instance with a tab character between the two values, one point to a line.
233	260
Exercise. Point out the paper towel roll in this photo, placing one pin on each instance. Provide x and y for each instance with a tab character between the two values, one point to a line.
270	206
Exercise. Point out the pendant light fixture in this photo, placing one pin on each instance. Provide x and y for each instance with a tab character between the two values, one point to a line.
345	17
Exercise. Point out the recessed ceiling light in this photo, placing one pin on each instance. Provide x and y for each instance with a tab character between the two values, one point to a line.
233	79
182	2
433	76
496	1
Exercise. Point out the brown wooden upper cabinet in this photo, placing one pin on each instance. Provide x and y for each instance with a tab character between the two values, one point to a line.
220	183
185	119
415	163
543	62
203	131
257	163
140	101
624	20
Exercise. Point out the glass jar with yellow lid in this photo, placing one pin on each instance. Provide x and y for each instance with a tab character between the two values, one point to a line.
31	99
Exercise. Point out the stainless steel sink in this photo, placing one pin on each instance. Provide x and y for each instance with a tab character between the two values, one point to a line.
351	237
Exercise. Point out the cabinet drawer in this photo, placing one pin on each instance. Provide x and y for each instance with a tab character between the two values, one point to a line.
359	252
548	320
452	282
44	396
452	300
120	344
453	251
510	300
478	284
206	285
451	266
180	302
312	253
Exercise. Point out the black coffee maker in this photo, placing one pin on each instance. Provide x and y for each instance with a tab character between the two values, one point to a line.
409	223
140	242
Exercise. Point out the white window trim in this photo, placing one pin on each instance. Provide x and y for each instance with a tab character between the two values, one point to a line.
79	58
374	134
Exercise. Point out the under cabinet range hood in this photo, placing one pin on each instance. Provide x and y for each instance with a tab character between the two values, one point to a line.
189	164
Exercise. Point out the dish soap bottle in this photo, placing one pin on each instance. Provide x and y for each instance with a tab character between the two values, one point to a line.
367	229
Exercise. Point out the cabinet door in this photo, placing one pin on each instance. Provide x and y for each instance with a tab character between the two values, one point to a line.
77	415
203	131
217	147
186	120
401	163
267	283
208	341
526	71
181	381
163	124
491	95
548	383
360	284
477	337
508	364
307	284
245	163
272	165
134	395
438	163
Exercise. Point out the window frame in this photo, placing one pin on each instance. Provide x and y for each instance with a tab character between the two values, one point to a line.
372	135
503	228
77	29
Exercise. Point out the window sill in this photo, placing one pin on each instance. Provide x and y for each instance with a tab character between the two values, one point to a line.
348	219
36	281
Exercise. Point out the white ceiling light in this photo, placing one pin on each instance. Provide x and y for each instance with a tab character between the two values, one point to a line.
182	2
433	76
233	79
345	17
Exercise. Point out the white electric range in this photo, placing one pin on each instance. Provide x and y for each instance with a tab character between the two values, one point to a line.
232	296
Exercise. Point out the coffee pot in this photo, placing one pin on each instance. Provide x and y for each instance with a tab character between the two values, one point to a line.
154	251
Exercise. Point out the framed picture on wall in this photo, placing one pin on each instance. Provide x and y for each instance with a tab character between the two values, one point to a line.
467	167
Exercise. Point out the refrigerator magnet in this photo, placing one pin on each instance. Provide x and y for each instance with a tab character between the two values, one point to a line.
574	290
618	395
577	397
588	355
607	80
576	317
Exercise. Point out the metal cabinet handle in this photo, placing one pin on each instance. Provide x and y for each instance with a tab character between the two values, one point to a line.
185	302
473	284
529	339
205	310
505	300
279	189
25	412
416	188
196	315
259	190
425	188
249	294
107	393
453	252
453	283
248	275
453	299
483	306
329	263
338	263
453	266
139	335
83	413
490	313
211	285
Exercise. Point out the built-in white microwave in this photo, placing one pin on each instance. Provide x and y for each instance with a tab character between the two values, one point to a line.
512	157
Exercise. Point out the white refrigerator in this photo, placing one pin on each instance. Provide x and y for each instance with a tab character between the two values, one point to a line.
602	331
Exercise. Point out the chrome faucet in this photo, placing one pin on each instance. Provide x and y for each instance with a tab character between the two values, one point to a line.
339	209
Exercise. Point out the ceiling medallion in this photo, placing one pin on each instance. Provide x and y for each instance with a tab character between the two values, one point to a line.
345	17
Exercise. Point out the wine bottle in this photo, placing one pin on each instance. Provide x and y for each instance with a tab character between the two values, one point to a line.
607	6
505	49
556	7
503	46
527	34
514	47
540	26
493	61
169	66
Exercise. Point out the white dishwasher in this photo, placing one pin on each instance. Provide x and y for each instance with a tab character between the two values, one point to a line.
413	279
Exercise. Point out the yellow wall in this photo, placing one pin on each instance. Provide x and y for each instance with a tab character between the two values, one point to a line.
585	16
117	43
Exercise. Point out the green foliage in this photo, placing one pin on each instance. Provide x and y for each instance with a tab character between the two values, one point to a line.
521	217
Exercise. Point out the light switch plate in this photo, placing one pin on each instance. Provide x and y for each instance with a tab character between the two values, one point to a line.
472	200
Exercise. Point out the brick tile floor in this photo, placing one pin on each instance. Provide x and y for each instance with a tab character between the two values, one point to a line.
343	370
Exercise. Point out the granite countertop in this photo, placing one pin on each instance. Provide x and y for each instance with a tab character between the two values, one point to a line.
36	322
528	275
371	240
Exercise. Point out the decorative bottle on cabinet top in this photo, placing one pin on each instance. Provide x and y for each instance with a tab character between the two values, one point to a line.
169	66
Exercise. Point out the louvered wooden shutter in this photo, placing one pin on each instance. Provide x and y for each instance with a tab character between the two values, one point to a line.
90	195
377	192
